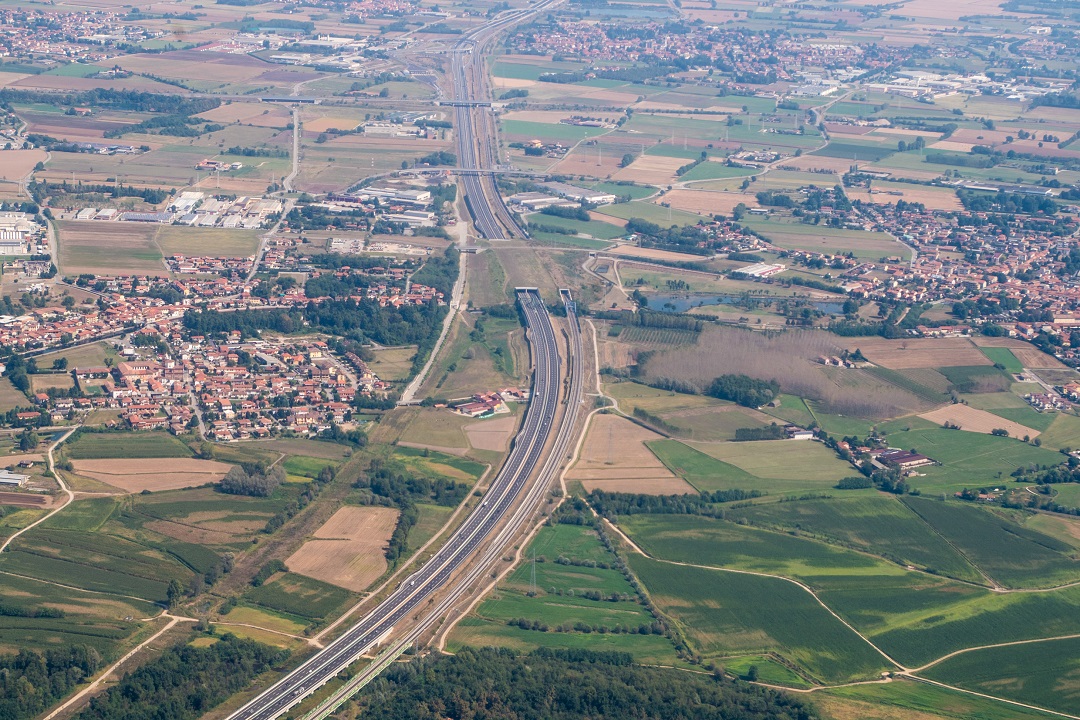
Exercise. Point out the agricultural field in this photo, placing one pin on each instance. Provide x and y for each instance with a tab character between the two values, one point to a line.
393	364
94	446
1042	673
615	458
774	466
965	459
725	613
1008	553
208	242
89	619
869	522
978	421
349	549
297	597
570	601
206	517
797	236
108	248
150	474
914	701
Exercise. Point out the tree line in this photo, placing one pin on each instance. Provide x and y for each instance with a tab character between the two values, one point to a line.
565	685
185	682
613	504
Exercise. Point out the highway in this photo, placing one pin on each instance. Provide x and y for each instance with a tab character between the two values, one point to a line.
441	570
474	126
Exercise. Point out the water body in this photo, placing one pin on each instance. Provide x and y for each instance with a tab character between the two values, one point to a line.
682	302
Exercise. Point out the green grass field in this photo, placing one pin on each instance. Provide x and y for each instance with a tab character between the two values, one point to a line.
93	446
593	228
636	192
799	236
967	459
662	216
575	595
910	700
707	541
298	596
306	466
715	171
1005	357
1045	674
772	466
874	523
1011	554
725	613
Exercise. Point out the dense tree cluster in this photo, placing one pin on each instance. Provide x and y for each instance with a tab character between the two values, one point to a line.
767	432
30	681
1006	202
239	482
185	682
690	238
744	390
564	685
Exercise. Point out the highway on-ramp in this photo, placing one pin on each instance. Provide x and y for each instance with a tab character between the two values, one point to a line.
440	572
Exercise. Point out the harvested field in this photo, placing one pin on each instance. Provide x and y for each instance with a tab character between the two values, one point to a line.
257	114
615	458
975	420
952	145
919	352
819	162
651	170
108	247
328	123
136	475
17	164
951	11
792	359
1028	355
932	198
493	434
588	161
707	202
347	550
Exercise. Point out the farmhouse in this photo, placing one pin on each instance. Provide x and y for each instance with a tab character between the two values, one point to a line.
903	459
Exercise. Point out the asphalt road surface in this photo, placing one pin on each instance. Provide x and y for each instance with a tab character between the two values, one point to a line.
525	456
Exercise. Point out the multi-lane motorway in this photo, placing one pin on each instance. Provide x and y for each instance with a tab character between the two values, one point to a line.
475	129
442	570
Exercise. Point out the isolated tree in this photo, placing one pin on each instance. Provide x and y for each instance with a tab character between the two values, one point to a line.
175	592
